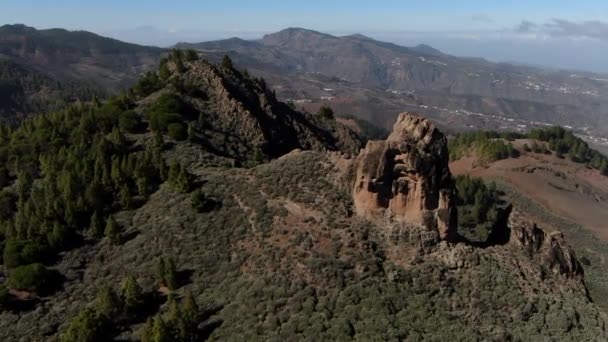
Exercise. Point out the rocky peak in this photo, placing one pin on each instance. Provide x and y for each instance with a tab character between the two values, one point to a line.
295	36
550	249
406	178
248	118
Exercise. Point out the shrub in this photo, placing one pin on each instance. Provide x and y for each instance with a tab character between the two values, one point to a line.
31	278
167	109
227	63
18	253
326	112
128	121
177	131
148	84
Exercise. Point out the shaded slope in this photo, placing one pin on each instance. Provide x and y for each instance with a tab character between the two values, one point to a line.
77	55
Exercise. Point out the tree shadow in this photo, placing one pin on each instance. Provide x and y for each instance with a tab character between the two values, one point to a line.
184	277
17	306
152	302
208	325
500	233
128	236
54	283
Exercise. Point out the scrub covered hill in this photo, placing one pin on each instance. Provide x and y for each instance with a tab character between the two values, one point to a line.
135	219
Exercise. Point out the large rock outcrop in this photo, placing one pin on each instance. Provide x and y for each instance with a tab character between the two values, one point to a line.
245	114
406	178
549	249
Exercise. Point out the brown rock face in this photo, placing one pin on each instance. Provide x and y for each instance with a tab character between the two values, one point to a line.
550	249
406	178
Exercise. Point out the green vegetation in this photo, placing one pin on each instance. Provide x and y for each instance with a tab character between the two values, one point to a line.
102	320
88	326
367	130
326	112
491	146
180	325
487	146
112	231
564	143
74	169
480	209
180	178
227	63
31	278
166	111
167	273
24	90
177	131
132	295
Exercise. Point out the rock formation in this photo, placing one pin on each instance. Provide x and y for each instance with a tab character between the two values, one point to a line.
550	249
406	178
243	110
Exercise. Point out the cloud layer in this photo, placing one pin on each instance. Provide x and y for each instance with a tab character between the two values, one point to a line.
561	28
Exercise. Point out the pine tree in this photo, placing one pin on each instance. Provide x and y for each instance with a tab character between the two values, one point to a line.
191	132
190	317
142	185
163	71
107	302
86	327
227	63
160	331
132	295
184	180
112	231
179	177
126	200
145	334
171	275
161	267
604	167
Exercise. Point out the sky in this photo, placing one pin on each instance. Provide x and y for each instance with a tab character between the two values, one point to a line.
560	34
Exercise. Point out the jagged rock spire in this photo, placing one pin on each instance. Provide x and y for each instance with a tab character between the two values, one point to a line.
407	177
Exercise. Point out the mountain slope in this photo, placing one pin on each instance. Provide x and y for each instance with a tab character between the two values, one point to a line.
77	55
377	79
24	91
132	248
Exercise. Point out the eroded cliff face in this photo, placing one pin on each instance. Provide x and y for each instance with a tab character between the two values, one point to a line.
550	250
406	178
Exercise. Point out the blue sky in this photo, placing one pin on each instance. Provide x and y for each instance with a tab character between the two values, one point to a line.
327	15
527	31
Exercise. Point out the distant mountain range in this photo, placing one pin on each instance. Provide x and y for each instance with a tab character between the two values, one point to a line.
354	74
376	80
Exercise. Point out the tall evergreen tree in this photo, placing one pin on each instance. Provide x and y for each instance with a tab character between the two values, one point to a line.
112	231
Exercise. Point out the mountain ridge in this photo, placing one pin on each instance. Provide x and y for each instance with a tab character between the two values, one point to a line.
382	78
